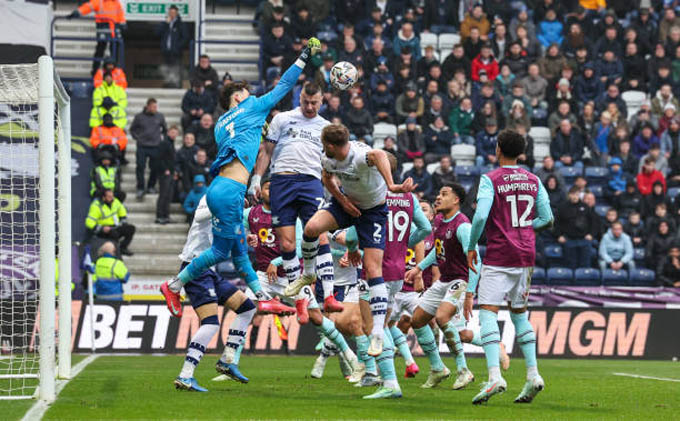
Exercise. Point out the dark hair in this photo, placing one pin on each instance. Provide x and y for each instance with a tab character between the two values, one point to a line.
311	88
335	134
229	90
457	189
173	7
511	143
574	189
151	101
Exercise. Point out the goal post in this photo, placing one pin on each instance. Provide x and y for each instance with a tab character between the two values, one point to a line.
35	218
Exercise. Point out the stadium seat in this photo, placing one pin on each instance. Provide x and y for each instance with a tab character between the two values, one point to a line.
597	176
673	193
406	166
541	151
633	100
447	41
554	254
639	255
383	130
587	277
538	277
443	54
465	173
486	168
570	173
598	191
611	277
462	151
560	276
467	185
431	168
541	135
428	39
601	210
465	162
482	251
642	277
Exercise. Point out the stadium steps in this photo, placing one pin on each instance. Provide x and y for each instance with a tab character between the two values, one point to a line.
238	48
169	103
80	49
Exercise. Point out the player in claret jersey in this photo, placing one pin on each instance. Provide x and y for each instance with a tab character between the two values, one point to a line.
513	204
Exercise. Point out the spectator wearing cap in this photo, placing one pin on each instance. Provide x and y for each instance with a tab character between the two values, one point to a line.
303	25
648	176
194	196
669	113
550	29
409	104
663	97
196	102
438	141
476	18
275	46
670	138
207	75
517	59
588	87
609	67
382	103
487	62
644	141
668	269
109	94
382	74
109	134
359	120
660	161
616	184
485	144
460	122
441	16
552	64
567	147
406	37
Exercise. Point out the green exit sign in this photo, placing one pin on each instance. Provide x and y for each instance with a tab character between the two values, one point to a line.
140	8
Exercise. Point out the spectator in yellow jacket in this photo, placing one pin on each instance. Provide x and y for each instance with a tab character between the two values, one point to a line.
107	218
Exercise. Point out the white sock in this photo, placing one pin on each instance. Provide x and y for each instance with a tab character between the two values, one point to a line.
175	285
378	305
197	348
494	373
310	248
237	330
291	265
532	372
324	268
328	349
392	384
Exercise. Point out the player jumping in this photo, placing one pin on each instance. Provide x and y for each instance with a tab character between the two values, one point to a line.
516	205
237	133
294	148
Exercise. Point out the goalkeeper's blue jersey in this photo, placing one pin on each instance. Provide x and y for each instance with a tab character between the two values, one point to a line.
239	130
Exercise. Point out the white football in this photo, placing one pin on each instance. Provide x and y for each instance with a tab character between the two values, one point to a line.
343	75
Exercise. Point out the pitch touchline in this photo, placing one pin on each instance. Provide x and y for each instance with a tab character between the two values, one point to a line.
637	376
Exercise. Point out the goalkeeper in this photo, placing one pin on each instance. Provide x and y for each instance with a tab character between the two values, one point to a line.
237	133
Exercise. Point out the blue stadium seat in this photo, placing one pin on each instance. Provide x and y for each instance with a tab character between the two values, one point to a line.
554	254
486	168
466	173
482	251
642	277
587	277
560	276
467	185
538	277
601	210
597	176
598	191
639	254
673	193
570	173
612	277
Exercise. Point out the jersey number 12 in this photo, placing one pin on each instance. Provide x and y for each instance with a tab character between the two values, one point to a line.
523	220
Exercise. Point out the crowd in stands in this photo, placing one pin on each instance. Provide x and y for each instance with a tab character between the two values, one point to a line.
592	85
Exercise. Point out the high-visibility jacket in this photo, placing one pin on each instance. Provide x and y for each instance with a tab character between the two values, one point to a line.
105	11
103	177
118	75
114	91
118	114
104	215
102	135
110	274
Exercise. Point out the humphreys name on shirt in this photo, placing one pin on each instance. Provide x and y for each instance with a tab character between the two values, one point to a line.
514	185
228	118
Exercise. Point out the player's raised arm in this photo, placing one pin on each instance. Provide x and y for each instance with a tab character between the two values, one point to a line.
289	78
379	159
421	227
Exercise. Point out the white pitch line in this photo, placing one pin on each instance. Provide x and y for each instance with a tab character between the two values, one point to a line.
637	376
40	407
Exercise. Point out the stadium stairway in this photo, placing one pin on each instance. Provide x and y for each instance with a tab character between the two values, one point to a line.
238	48
84	49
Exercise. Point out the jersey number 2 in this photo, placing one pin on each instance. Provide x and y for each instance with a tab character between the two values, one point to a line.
522	221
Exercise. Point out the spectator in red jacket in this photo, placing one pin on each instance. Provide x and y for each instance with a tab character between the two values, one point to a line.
648	176
485	61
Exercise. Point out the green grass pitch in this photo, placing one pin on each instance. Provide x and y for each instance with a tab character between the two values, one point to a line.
135	387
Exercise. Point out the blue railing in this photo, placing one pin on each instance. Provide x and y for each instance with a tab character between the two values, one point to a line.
118	46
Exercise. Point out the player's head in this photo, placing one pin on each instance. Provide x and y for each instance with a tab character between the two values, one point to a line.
335	139
510	145
426	207
233	94
310	99
450	198
264	190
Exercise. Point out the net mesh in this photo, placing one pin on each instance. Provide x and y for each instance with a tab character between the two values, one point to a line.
19	230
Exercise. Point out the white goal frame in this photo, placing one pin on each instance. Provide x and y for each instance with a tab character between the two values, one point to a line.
50	93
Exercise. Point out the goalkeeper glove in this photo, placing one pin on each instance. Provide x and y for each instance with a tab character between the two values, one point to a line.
313	47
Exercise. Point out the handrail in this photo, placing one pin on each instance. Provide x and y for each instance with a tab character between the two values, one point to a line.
195	45
116	44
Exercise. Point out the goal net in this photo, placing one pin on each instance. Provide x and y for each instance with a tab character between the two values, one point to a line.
35	217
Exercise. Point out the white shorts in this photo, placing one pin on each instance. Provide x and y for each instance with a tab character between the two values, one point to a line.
452	292
352	292
499	285
405	303
276	289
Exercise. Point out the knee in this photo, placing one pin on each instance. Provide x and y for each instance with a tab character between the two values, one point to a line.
312	229
287	245
466	336
442	320
417	323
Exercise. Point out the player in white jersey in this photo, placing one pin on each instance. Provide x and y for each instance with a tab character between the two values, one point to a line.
294	148
205	292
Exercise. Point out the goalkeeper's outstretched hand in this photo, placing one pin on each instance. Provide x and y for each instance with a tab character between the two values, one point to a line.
313	47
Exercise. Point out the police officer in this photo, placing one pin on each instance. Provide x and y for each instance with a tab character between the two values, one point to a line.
107	219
